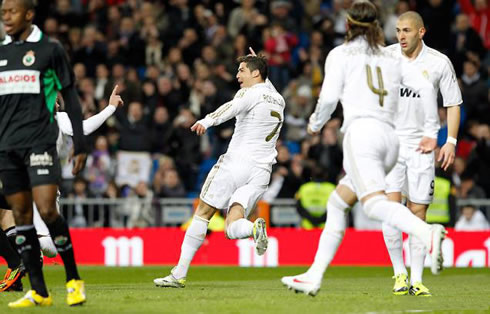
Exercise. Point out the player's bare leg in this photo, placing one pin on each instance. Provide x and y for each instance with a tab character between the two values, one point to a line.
238	227
193	239
337	208
394	244
45	199
377	206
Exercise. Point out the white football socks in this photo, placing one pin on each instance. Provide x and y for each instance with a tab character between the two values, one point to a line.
331	236
194	237
417	258
398	216
240	229
394	244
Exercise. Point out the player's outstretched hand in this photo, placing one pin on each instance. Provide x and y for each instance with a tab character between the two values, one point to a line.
427	145
198	128
252	52
115	98
79	163
447	155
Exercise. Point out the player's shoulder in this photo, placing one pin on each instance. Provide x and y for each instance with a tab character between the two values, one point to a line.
437	57
393	48
242	92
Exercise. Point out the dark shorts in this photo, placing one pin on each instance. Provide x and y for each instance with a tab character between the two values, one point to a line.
22	169
3	202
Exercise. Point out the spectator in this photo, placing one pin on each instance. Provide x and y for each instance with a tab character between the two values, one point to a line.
170	185
278	47
91	51
99	168
471	219
134	128
160	131
475	91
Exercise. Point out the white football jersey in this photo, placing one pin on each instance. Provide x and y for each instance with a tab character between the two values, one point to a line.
366	83
259	112
438	70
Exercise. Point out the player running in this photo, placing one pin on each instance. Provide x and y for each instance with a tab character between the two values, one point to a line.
366	79
415	168
241	175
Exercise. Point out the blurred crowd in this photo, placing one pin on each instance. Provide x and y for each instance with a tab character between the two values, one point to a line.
174	62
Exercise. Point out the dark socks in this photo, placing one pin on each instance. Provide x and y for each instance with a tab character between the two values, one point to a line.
28	246
61	238
8	251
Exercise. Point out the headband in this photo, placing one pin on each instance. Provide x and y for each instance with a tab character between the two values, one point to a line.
358	23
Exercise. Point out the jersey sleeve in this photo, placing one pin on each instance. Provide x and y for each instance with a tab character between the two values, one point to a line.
330	92
242	102
448	85
61	67
89	125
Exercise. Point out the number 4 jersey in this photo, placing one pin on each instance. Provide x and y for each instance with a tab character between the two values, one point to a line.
259	112
367	83
31	73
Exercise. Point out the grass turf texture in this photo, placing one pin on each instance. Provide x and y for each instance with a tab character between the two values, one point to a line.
259	290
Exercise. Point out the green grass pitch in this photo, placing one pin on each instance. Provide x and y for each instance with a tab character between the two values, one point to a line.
259	290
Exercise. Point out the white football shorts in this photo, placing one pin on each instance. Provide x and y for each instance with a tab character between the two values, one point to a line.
370	152
235	179
413	175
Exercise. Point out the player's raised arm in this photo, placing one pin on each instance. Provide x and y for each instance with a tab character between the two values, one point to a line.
329	94
93	123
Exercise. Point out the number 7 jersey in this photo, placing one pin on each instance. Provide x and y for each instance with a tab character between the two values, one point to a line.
259	112
367	84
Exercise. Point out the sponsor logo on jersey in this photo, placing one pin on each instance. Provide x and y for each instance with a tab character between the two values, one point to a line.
41	159
407	92
20	82
3	63
42	172
29	58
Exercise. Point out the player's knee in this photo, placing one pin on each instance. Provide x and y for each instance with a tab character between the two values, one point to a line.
419	210
372	202
48	214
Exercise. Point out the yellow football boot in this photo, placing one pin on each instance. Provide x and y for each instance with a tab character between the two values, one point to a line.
76	292
31	299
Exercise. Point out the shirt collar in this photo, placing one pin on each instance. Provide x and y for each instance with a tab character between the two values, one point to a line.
33	37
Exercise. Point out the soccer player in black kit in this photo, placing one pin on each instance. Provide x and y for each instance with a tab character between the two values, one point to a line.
33	69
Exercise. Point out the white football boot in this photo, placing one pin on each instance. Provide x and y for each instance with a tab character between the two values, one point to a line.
170	281
302	283
438	234
260	236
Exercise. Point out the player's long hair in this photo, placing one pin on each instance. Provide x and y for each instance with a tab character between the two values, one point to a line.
362	18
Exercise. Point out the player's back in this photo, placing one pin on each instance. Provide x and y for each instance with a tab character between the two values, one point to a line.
370	81
257	129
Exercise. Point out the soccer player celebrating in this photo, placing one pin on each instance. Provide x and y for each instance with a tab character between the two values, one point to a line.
33	68
415	167
367	80
241	175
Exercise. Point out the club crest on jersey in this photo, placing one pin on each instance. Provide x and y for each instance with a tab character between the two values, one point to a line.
425	74
29	58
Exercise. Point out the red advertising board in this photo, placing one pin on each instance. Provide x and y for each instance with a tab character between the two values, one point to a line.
287	246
